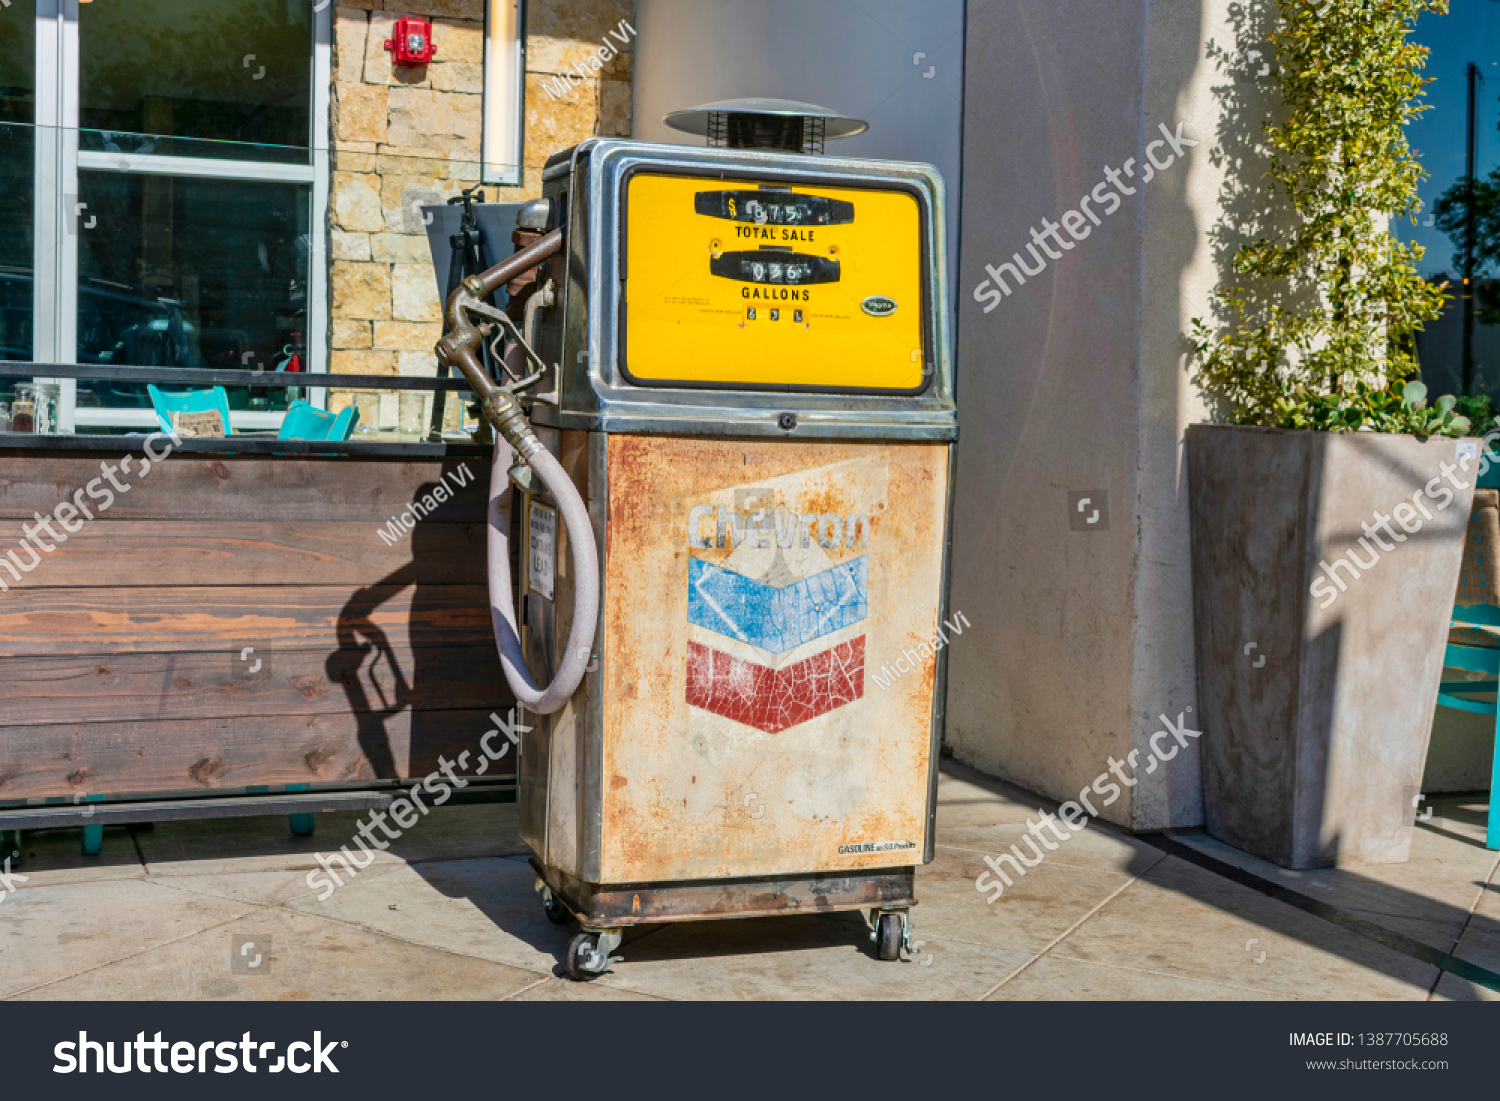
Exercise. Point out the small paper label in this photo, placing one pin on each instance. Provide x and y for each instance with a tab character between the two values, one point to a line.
1468	450
541	557
206	425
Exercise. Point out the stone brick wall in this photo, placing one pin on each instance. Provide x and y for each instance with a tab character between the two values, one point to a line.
405	136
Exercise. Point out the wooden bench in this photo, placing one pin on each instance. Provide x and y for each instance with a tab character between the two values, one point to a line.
234	635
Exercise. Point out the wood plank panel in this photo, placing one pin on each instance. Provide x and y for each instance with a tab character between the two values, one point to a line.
37	691
240	552
228	487
198	756
118	620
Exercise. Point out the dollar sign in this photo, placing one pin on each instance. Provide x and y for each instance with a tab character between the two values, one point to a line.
731	208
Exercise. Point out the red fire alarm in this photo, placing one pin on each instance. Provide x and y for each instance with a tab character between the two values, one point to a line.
412	42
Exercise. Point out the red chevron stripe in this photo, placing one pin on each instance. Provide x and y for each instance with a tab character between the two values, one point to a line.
775	699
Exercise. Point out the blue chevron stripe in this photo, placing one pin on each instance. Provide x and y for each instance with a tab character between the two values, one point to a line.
777	619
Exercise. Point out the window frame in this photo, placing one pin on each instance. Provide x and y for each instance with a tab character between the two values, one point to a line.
58	161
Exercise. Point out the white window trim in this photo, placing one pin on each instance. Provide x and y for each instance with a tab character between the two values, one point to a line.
57	161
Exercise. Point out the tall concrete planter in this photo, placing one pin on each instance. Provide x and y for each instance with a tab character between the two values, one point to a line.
1318	672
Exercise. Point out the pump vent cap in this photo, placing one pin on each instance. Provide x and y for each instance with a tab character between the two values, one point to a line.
778	124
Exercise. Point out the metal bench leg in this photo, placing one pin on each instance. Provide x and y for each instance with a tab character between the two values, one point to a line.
1492	833
93	838
302	825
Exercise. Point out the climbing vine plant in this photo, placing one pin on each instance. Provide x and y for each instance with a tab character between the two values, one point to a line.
1316	330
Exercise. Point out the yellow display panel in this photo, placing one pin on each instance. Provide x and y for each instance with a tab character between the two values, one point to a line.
734	283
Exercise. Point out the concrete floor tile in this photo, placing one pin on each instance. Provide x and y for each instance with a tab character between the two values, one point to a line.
1179	919
1464	815
1036	909
1095	848
267	844
257	888
305	959
1058	978
566	990
806	957
49	933
967	797
54	856
481	908
1428	898
1481	939
1451	988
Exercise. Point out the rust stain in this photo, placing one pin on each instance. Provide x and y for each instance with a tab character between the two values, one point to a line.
617	782
662	828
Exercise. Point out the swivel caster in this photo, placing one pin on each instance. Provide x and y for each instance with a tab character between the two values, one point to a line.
890	935
557	913
588	954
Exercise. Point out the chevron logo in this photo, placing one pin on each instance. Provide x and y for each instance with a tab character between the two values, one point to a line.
775	699
768	605
775	619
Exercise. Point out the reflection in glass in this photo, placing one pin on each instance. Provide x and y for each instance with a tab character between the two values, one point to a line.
1458	141
17	155
171	77
180	272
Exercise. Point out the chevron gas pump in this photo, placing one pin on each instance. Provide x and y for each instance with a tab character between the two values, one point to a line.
725	453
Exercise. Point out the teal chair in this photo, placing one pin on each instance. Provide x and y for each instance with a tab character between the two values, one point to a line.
193	401
1474	638
303	422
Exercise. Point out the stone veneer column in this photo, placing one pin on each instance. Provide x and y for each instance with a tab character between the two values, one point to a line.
405	136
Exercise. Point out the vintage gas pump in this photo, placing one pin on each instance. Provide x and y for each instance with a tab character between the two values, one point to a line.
728	434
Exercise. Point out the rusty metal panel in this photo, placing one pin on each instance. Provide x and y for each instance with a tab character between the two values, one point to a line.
549	774
771	633
622	904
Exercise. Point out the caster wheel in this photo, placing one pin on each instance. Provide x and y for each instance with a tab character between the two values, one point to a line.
575	960
888	935
557	913
303	825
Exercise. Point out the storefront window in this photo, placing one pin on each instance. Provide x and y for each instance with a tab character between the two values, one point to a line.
183	272
186	191
1459	145
17	181
201	78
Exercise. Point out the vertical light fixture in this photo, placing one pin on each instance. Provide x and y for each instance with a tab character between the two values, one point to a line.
502	142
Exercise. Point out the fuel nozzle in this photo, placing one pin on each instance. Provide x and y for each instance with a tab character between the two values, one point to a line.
461	343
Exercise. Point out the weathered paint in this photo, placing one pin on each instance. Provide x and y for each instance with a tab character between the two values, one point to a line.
742	732
604	906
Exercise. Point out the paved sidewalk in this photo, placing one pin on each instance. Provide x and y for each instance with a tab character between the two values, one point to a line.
449	912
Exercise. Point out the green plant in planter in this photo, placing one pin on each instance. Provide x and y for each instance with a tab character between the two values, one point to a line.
1400	407
1318	325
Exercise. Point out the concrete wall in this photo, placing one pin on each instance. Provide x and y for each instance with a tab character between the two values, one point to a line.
857	57
1076	384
